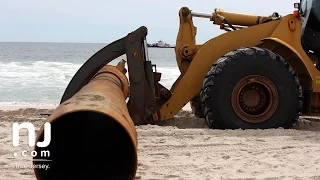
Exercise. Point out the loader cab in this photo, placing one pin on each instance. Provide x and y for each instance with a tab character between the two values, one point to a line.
310	13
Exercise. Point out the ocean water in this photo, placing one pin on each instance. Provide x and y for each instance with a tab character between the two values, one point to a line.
38	73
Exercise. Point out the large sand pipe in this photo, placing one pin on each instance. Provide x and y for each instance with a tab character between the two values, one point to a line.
92	134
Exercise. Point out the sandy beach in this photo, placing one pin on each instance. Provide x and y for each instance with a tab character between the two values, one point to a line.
183	148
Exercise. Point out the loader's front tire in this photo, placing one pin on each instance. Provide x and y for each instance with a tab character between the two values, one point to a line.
251	88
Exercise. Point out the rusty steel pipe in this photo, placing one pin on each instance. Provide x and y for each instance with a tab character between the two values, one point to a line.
92	135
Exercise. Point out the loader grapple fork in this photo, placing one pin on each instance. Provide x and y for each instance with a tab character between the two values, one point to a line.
142	100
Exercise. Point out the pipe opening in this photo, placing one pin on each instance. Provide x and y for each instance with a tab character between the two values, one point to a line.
87	144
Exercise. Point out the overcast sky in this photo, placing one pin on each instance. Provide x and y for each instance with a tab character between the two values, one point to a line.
104	21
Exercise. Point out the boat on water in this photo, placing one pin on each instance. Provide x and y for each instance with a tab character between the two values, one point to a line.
160	44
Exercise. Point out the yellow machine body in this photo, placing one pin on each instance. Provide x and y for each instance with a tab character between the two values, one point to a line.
282	36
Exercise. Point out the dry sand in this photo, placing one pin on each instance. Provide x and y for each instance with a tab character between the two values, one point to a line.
183	148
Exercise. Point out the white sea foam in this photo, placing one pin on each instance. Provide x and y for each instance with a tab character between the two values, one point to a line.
48	72
38	73
43	83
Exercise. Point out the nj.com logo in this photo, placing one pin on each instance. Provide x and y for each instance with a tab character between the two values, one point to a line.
16	127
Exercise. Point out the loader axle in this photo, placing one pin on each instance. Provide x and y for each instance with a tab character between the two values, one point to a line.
254	99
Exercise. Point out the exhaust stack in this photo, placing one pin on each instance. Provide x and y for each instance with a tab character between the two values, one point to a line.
92	133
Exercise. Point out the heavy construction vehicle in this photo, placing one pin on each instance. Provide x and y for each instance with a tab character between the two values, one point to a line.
262	73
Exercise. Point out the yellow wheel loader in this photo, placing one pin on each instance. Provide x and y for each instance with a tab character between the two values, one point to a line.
262	73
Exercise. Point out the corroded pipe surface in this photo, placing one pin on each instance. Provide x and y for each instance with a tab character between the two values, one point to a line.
93	136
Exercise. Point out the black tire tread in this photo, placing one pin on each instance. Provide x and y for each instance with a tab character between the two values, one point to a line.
218	67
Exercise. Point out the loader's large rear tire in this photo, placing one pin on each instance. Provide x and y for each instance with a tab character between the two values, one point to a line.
251	88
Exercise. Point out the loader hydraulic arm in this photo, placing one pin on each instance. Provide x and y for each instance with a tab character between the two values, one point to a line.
234	20
142	102
186	46
220	16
